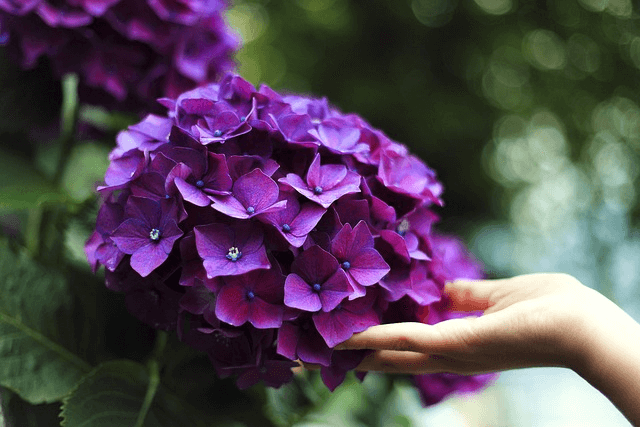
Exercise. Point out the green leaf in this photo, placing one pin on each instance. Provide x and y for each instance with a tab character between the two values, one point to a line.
85	166
122	393
36	330
105	120
287	404
18	413
22	187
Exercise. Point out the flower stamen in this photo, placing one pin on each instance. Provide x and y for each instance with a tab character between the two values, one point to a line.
155	234
403	227
234	254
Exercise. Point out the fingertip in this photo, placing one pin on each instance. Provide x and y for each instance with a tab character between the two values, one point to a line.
466	295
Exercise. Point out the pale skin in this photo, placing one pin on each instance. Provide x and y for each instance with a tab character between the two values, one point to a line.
528	321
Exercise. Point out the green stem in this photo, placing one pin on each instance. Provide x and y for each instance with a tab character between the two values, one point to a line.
154	376
32	232
69	122
154	382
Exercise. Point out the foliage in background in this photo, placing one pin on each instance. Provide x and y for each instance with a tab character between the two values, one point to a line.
528	110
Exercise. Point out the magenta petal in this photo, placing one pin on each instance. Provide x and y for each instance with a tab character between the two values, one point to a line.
144	209
307	219
315	265
230	206
313	174
299	294
334	290
148	258
131	235
256	190
312	348
368	267
191	193
221	266
213	240
232	306
338	326
287	340
263	315
332	175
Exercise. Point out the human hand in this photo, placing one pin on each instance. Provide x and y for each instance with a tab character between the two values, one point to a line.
530	320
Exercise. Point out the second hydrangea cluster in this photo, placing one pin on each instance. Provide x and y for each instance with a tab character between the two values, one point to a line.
266	229
127	53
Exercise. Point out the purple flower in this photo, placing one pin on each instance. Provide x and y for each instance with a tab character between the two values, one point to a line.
127	53
342	362
294	222
198	299
339	136
354	250
433	388
346	319
255	297
315	282
148	234
202	180
297	226
299	339
324	184
273	372
229	251
252	194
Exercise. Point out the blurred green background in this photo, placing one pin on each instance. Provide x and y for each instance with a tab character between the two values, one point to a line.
528	111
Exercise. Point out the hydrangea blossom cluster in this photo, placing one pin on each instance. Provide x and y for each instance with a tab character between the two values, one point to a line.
126	52
266	229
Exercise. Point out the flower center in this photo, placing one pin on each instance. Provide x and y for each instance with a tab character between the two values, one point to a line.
251	210
243	118
317	189
234	254
286	228
250	295
403	227
316	287
217	133
166	196
155	234
346	265
199	183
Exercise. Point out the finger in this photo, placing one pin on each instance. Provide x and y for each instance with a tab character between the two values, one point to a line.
407	362
475	295
393	336
454	335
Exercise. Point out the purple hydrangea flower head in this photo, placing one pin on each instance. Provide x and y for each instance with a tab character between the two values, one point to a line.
267	229
127	53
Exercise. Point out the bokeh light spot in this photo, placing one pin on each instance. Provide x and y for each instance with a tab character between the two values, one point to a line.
495	7
433	13
545	50
249	19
